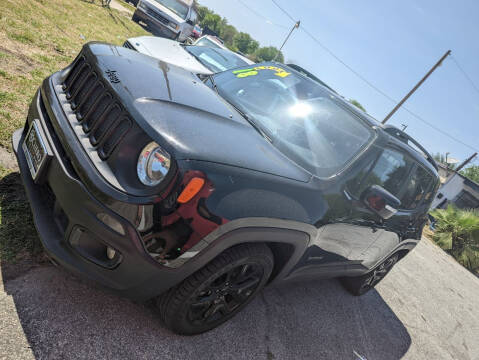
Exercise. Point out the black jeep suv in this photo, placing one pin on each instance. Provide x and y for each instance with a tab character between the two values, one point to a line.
200	191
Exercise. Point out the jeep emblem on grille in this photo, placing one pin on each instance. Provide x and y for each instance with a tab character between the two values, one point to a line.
112	76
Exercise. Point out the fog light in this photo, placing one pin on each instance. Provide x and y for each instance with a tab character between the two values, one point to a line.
110	253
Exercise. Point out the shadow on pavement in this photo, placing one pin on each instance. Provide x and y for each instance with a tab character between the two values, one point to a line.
64	317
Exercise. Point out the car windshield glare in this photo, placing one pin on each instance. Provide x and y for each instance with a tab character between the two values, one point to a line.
216	60
178	7
305	121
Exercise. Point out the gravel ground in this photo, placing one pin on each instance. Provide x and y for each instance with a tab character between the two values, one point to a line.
427	308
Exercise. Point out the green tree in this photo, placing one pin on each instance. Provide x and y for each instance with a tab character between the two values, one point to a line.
245	43
268	54
212	21
357	104
202	12
471	172
457	231
228	33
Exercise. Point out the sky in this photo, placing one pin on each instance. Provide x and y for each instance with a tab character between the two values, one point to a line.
392	44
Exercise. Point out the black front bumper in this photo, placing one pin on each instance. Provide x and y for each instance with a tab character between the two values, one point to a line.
63	208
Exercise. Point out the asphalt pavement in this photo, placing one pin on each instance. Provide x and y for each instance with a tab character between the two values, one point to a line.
427	308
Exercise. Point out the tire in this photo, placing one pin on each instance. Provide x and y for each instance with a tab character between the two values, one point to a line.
135	18
218	291
360	285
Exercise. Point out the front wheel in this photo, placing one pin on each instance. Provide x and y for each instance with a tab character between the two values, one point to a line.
360	285
135	18
218	291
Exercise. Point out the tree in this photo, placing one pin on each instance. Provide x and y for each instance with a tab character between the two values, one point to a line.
227	34
202	12
245	43
357	104
212	21
457	231
268	54
471	172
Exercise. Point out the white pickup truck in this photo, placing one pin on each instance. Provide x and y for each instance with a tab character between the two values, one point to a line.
173	19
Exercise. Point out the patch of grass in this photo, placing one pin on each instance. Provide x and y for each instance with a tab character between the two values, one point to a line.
24	37
39	37
18	237
127	5
5	97
4	74
33	50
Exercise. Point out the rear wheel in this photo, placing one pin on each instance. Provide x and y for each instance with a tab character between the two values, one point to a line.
218	291
360	285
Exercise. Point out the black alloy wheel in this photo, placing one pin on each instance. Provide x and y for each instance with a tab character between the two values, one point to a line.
218	291
362	284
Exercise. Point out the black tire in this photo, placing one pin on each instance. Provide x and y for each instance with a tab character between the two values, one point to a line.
218	291
135	18
360	285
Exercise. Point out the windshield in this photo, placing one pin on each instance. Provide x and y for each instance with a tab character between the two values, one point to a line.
176	6
304	121
216	60
207	42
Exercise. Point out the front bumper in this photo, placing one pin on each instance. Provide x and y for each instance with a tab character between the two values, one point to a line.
64	209
157	26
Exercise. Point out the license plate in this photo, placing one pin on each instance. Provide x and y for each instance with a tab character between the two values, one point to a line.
36	149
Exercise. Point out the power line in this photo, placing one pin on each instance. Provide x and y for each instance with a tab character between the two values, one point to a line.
465	74
258	14
284	11
375	87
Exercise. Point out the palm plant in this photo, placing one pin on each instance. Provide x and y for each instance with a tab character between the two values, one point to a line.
457	231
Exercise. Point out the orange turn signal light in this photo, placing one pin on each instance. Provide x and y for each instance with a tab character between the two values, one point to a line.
193	188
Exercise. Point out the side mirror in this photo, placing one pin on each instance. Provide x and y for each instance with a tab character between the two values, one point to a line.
190	22
380	201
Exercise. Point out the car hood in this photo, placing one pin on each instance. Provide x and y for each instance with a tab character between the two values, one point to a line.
169	51
185	116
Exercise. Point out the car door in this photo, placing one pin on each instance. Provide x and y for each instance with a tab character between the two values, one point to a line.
404	177
358	240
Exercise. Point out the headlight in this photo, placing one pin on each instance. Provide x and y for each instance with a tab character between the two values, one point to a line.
153	164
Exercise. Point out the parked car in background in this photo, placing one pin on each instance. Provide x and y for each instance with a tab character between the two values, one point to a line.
211	41
199	193
216	42
199	60
173	19
196	32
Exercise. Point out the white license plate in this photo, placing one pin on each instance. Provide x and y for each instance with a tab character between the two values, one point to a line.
36	149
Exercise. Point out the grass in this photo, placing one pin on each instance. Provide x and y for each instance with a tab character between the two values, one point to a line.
37	38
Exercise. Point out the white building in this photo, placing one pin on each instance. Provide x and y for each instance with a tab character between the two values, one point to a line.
456	189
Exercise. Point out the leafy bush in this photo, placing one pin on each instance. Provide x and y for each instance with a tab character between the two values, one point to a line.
457	232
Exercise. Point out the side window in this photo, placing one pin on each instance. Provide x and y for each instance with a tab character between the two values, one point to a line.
402	177
390	171
418	187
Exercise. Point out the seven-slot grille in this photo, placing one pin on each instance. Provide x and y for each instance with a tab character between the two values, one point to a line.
100	115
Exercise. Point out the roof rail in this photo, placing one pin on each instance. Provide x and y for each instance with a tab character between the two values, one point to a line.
405	138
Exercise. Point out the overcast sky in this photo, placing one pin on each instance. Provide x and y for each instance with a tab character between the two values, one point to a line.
390	43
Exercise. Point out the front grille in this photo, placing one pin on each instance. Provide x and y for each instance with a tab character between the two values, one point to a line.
100	114
158	16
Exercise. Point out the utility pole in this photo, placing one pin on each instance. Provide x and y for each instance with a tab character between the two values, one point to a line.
287	37
448	52
467	161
